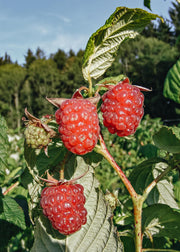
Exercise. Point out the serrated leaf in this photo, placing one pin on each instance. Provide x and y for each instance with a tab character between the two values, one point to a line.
172	83
160	220
102	46
3	144
12	212
167	139
98	234
145	173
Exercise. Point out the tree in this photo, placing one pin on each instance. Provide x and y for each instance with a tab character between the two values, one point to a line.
29	58
174	14
12	78
44	80
60	58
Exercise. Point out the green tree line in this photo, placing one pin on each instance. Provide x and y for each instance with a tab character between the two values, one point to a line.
145	60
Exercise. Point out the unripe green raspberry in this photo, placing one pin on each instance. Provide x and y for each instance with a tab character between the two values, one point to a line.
36	137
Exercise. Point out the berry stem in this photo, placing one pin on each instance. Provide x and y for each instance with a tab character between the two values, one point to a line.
63	166
102	149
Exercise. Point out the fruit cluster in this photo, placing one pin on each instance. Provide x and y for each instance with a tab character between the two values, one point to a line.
64	207
36	137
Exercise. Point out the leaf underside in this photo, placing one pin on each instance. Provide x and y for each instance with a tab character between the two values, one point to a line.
103	45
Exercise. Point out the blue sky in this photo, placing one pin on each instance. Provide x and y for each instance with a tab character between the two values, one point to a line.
54	24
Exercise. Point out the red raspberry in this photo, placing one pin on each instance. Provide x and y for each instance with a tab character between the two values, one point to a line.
78	125
64	207
122	108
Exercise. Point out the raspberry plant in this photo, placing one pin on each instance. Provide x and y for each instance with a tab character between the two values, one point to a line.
67	208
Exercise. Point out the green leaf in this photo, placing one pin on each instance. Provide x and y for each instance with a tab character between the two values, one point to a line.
112	80
177	191
102	46
143	174
13	213
164	190
3	144
147	3
168	139
98	234
172	83
160	220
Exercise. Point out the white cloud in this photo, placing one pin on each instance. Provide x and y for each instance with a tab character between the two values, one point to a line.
64	42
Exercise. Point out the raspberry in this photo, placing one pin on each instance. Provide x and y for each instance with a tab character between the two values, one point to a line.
64	206
78	125
36	137
122	109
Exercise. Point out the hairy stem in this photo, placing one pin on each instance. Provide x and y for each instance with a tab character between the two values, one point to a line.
137	199
137	204
102	149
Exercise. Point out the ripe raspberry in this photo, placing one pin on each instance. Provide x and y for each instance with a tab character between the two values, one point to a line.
36	137
122	109
78	125
64	207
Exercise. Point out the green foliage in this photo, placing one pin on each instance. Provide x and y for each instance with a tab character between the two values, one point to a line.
12	212
11	80
156	223
124	23
3	148
168	139
171	84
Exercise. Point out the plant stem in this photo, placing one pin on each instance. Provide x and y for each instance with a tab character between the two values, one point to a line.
137	204
102	149
137	199
11	188
90	86
62	166
165	250
154	182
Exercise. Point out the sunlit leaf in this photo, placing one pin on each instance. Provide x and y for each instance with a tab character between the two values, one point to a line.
102	46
